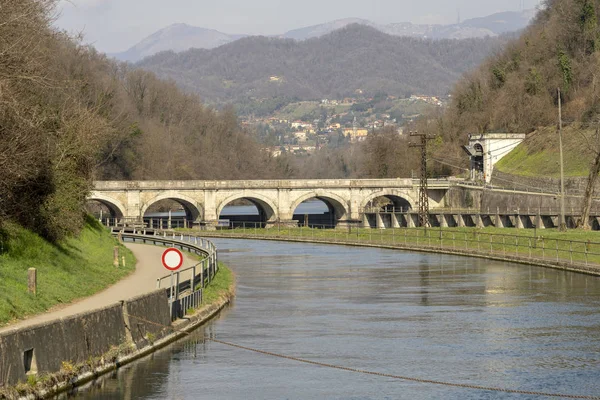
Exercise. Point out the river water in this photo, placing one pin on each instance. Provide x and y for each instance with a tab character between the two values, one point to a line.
429	316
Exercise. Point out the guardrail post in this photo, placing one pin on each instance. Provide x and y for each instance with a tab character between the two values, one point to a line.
571	250
192	280
202	275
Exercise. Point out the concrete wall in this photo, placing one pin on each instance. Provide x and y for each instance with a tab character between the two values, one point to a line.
493	199
147	317
92	334
573	185
487	200
460	197
74	339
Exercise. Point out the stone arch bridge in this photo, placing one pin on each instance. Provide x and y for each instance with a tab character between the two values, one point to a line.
276	200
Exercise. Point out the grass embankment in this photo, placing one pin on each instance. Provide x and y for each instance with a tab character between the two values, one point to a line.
549	244
539	154
77	267
219	287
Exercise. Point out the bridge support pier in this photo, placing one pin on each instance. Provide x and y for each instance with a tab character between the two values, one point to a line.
396	221
478	221
443	220
379	221
411	222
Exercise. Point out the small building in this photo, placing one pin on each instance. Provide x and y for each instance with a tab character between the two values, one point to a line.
486	149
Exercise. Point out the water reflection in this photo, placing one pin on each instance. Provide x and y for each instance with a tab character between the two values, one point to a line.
423	315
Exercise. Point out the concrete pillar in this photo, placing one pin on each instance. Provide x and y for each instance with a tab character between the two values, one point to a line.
365	220
395	221
478	221
499	222
519	221
410	220
539	222
169	221
460	220
443	220
379	221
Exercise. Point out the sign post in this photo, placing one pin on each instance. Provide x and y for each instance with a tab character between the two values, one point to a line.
172	259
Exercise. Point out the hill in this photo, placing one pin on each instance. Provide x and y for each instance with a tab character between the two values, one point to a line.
516	90
354	59
69	115
181	37
176	37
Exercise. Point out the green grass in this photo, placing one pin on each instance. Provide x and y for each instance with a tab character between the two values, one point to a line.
539	154
219	286
551	245
76	268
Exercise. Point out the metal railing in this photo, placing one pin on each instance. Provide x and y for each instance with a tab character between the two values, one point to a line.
582	255
202	273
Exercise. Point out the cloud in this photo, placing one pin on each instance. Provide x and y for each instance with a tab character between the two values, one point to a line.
83	3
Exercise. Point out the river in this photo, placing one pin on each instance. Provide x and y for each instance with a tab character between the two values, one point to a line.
430	316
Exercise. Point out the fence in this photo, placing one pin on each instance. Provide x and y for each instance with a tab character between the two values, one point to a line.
577	254
202	273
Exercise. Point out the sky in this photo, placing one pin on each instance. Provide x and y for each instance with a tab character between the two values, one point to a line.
116	25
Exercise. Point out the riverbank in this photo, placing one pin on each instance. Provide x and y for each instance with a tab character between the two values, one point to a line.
76	268
571	251
221	291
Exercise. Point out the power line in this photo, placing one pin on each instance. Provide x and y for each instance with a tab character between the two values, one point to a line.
400	377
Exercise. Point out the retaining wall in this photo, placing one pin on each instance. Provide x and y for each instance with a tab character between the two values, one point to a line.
147	317
573	185
42	348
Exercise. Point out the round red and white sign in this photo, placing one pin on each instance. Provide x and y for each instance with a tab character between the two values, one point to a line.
172	259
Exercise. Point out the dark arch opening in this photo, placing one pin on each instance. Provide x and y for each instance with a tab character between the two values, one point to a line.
171	213
245	212
387	208
316	212
107	213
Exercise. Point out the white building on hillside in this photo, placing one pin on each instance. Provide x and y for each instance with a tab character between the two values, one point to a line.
487	149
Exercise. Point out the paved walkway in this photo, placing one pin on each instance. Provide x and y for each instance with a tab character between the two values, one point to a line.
148	269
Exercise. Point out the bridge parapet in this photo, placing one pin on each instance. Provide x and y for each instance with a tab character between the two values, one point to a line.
276	200
257	184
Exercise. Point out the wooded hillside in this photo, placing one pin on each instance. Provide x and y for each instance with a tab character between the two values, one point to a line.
69	115
332	66
517	90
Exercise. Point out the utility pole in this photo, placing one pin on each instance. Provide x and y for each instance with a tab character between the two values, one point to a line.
562	225
423	196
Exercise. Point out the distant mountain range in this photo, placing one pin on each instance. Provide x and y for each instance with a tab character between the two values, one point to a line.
266	73
181	37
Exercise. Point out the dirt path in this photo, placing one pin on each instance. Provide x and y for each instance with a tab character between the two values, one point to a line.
148	269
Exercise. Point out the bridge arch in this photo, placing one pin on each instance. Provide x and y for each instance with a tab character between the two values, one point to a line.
116	208
338	204
266	207
194	211
400	200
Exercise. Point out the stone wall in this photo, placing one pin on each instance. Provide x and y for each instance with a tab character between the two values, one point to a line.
42	348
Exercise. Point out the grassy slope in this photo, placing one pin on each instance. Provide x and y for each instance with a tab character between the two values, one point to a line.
76	268
539	155
219	286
